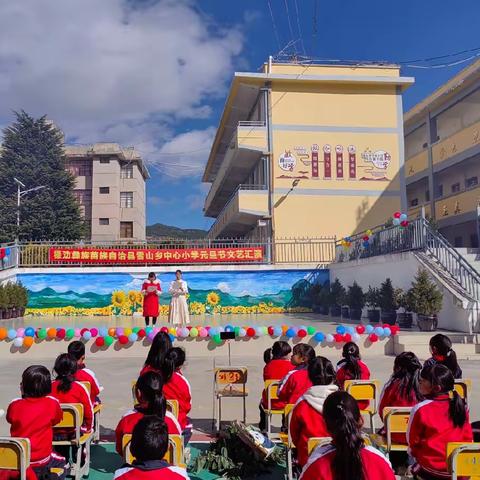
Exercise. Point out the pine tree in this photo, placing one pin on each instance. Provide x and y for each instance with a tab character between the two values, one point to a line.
32	151
424	296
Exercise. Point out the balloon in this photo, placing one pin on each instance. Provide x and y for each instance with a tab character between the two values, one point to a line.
151	336
340	329
119	331
338	338
180	332
373	338
52	332
387	332
202	332
172	331
94	331
61	333
148	330
127	331
12	333
41	333
365	238
394	329
242	332
133	337
403	217
18	342
20	332
369	232
404	223
141	333
302	333
103	332
28	342
100	341
250	332
8	251
136	330
378	331
77	333
347	337
396	221
70	333
3	333
356	337
397	215
164	329
319	337
366	243
277	331
87	335
194	332
369	329
123	339
310	330
217	339
329	338
108	340
258	332
360	329
228	328
350	330
290	333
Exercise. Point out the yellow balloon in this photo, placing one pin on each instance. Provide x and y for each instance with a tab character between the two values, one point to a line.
369	232
173	331
127	332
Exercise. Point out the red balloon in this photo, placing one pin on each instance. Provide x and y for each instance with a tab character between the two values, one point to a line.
366	238
123	339
99	342
360	329
347	337
373	337
302	333
338	338
164	329
189	327
270	330
94	332
83	330
404	223
61	333
250	332
141	333
397	215
394	329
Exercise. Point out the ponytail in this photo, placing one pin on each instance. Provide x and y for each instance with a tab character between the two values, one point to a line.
351	354
150	386
343	420
167	368
406	371
65	368
160	346
441	347
457	410
280	349
452	363
267	355
304	350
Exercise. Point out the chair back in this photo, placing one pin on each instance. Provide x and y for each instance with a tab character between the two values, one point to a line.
315	442
363	389
72	417
463	460
463	387
173	407
395	420
288	418
15	455
271	386
87	386
173	456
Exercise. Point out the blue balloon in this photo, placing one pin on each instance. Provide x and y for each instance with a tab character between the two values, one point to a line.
368	329
29	332
379	331
12	333
87	335
133	337
213	331
396	221
403	217
341	330
319	337
103	332
365	243
8	251
277	331
350	330
290	333
172	337
387	332
228	328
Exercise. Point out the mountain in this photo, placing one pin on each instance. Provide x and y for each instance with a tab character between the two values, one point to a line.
158	230
48	298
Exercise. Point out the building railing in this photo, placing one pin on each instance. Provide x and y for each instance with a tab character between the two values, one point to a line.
10	260
251	123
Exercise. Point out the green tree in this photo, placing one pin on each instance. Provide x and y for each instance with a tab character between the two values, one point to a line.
424	295
32	151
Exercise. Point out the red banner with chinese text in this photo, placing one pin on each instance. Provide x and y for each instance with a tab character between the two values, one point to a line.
173	256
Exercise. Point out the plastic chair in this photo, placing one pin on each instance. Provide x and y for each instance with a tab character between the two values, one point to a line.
395	420
230	382
463	460
365	390
172	405
73	419
271	386
174	455
15	455
96	414
315	442
286	439
463	387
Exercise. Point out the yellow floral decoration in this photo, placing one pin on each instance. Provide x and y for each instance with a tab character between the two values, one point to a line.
213	298
118	298
132	297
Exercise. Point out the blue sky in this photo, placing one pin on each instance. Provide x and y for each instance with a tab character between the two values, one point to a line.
155	74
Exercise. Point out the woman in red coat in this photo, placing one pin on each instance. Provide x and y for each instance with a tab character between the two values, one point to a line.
151	290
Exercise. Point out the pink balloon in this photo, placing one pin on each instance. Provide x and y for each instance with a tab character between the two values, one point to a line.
202	332
20	332
119	331
94	332
77	332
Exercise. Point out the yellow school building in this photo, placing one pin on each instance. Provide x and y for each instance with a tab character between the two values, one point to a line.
308	150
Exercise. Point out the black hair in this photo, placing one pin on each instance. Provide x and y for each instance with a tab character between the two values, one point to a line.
304	350
321	371
149	439
160	346
406	371
177	354
278	350
150	386
351	354
36	382
76	349
343	421
441	376
443	346
152	274
178	271
174	358
65	368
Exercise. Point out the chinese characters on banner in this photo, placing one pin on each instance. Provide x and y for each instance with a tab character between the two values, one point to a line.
189	255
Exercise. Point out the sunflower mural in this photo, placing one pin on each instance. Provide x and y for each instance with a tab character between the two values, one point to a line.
212	303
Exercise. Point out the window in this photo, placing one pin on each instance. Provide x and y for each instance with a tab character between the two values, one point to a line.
83	197
126	171
416	141
458	242
104	160
471	182
104	221
414	202
80	168
104	190
439	191
427	195
456	187
126	229
126	199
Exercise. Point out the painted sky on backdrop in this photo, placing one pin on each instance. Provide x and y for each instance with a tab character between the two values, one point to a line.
155	73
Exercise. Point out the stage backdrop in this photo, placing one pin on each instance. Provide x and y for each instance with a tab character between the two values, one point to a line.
273	291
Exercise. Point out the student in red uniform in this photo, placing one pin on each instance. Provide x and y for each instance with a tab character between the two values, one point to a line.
307	419
441	350
277	365
149	445
67	390
148	391
351	367
347	457
161	344
176	387
76	349
435	422
33	416
296	382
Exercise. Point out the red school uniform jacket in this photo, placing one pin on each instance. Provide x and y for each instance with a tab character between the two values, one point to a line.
343	374
77	394
152	470
319	466
275	370
84	374
178	388
131	418
150	299
429	431
33	418
294	385
307	419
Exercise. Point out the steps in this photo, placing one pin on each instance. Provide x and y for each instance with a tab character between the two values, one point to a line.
472	256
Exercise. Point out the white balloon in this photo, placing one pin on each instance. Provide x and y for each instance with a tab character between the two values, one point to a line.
18	342
329	338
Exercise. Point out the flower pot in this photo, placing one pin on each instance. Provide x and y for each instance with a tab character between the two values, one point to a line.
355	313
427	323
405	320
335	311
389	317
373	316
345	312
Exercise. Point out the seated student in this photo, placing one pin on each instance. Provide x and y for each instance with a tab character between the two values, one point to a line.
402	390
148	391
277	365
76	349
176	387
161	344
149	445
347	457
441	350
307	420
33	416
296	382
435	422
351	367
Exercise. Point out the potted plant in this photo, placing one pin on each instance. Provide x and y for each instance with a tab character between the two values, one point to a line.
337	297
9	300
387	303
355	300
22	299
405	317
372	299
3	302
426	300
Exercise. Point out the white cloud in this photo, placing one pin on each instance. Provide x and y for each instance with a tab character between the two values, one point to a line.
223	287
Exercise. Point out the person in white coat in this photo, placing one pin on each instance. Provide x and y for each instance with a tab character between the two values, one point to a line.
178	314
